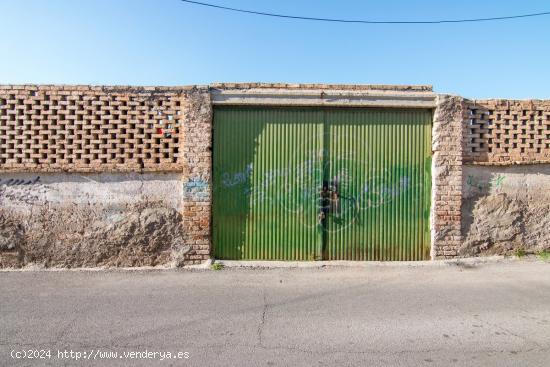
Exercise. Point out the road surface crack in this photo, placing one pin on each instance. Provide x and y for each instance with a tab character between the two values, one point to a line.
262	321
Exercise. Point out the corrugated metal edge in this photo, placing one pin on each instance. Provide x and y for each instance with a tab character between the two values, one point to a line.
323	97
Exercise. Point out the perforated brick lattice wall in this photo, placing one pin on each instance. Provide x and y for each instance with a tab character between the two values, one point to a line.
80	128
505	132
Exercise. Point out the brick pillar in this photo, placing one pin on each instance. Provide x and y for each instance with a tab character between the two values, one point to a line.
197	174
447	145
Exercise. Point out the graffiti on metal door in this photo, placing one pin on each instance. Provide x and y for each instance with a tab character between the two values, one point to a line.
348	190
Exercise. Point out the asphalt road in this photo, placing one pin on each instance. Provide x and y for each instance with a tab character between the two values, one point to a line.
486	315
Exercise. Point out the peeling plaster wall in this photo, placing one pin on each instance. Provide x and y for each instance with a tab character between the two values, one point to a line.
83	220
505	208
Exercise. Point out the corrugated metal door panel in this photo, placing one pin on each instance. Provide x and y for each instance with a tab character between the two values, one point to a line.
377	168
267	179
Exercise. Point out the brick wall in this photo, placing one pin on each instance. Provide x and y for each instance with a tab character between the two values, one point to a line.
502	132
447	176
197	167
85	129
90	129
128	129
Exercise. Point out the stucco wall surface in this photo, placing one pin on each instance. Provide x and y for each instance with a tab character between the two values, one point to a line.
505	208
82	220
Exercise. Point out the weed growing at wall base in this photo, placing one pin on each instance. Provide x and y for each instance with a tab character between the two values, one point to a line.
519	252
544	255
216	266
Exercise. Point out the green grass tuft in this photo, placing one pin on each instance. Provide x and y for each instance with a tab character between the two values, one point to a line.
544	255
519	252
216	266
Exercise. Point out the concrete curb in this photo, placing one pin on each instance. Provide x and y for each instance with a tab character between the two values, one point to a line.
364	264
232	264
37	268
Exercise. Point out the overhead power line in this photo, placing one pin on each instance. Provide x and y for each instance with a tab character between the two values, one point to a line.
335	20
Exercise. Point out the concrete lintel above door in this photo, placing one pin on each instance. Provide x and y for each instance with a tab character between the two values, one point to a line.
324	97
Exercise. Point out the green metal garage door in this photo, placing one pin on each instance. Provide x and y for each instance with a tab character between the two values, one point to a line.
312	183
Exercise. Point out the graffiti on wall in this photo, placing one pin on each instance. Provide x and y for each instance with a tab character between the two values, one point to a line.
196	189
19	190
237	178
18	182
480	184
347	189
305	182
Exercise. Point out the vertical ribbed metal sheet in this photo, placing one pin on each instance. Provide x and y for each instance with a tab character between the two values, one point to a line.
270	165
267	176
378	165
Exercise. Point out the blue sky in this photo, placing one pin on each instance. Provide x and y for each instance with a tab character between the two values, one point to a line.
167	42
